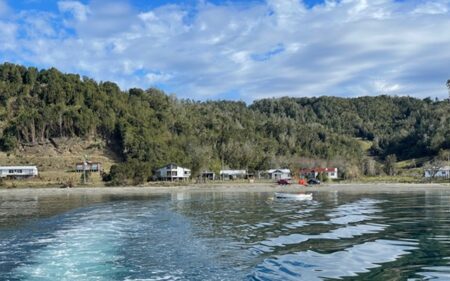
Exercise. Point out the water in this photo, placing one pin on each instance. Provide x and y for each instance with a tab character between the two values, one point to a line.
226	236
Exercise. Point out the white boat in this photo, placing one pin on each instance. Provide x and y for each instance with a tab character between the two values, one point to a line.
296	196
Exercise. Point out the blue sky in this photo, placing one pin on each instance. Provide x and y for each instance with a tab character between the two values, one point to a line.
236	49
52	5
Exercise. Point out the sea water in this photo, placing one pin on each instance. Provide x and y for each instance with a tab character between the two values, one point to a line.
226	236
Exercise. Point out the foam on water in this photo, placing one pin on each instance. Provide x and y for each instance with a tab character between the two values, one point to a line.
86	249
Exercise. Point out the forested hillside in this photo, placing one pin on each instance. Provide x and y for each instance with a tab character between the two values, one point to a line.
147	128
404	126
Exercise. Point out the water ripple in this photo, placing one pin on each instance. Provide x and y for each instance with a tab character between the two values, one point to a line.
311	265
227	236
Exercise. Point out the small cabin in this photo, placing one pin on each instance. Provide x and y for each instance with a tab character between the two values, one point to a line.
18	171
233	174
279	174
332	173
443	172
88	166
172	172
208	175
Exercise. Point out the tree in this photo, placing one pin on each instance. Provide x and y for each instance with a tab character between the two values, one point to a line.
369	167
389	165
323	177
350	172
8	143
433	167
448	87
444	155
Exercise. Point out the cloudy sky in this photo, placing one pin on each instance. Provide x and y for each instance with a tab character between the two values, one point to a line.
236	49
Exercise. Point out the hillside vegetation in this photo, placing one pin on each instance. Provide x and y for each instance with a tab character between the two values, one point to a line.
56	161
144	129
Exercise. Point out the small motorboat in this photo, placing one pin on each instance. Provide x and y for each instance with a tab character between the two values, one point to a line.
296	196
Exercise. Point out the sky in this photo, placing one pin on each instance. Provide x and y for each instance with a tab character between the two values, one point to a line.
237	49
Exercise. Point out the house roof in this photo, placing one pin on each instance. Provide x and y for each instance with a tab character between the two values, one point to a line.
445	168
88	163
17	167
172	166
285	171
232	172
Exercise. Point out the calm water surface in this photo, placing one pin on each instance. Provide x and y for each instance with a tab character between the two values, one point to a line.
226	236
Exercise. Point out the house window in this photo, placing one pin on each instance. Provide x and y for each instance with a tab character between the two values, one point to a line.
331	174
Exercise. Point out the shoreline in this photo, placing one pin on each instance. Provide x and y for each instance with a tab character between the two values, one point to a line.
242	187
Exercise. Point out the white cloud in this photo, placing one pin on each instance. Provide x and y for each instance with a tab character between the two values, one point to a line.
4	8
78	9
38	25
433	8
277	48
155	78
8	33
384	87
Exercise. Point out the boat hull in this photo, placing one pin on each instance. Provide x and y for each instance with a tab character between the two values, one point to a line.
296	196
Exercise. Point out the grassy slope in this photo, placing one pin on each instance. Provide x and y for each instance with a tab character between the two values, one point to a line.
56	163
408	171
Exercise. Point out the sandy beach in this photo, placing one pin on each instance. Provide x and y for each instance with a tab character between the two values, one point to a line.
256	187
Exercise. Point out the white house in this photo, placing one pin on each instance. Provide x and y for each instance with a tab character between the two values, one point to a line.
277	174
443	172
88	166
173	172
332	173
232	174
18	171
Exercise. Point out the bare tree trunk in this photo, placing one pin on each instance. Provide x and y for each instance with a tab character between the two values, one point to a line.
25	134
42	132
33	131
60	121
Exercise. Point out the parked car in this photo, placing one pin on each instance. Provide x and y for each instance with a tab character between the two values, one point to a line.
284	181
313	181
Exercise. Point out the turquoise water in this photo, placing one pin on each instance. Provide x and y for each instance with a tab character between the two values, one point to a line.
226	236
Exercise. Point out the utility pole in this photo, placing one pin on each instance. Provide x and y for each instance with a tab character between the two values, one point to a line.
84	169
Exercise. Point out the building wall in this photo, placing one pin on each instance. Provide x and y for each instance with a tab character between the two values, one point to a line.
232	174
179	173
330	174
93	167
439	174
333	175
17	171
279	175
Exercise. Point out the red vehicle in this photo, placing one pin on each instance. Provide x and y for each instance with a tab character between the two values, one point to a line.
284	181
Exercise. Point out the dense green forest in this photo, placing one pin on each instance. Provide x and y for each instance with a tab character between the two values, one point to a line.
148	128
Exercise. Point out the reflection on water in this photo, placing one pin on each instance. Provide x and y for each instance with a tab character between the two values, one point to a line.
360	210
226	236
311	265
